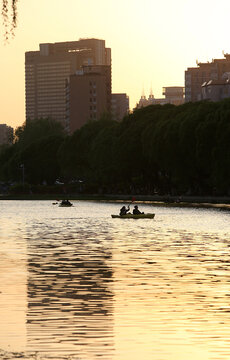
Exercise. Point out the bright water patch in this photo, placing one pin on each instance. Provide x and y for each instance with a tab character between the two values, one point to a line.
77	284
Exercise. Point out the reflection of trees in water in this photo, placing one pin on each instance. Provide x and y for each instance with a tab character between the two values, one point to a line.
69	298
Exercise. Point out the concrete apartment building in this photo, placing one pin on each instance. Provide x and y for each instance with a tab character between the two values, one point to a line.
6	134
47	70
216	90
88	95
173	95
195	77
119	106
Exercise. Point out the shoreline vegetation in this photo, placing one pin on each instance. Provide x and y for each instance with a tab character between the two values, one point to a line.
222	203
177	154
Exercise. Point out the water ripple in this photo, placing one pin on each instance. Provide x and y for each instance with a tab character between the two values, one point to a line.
76	284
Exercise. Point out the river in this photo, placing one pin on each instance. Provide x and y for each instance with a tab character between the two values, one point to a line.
76	284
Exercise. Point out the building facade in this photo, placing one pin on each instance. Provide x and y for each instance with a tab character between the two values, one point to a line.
47	70
88	95
173	95
216	90
120	106
195	77
6	134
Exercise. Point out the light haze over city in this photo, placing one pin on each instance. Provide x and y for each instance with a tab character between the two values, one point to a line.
152	42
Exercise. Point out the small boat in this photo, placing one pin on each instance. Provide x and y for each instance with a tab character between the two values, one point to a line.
132	216
65	204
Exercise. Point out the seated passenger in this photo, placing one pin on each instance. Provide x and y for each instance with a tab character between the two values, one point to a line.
124	211
66	202
136	211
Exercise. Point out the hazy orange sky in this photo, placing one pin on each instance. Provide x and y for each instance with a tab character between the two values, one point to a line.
152	42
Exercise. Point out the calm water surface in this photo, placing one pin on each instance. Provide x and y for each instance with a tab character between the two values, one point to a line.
77	284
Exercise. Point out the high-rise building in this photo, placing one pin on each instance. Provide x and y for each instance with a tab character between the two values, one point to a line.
47	70
195	77
88	95
120	106
6	134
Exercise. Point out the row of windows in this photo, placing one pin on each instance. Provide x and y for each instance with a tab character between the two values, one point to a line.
30	75
93	83
48	93
49	85
93	116
51	103
53	71
50	110
54	64
48	81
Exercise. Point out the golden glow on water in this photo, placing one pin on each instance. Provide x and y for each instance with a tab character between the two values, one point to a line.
13	289
76	283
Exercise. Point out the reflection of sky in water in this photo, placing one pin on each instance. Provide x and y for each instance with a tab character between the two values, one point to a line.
74	281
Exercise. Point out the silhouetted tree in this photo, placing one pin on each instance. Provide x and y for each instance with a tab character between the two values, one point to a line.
9	25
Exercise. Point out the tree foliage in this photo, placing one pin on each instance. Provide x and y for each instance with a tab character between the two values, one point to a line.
166	149
9	15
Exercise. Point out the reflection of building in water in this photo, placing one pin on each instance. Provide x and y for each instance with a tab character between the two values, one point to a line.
70	302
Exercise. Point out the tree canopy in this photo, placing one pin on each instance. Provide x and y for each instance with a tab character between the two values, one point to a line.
165	149
9	15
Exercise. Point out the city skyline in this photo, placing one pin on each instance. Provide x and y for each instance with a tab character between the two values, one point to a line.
154	44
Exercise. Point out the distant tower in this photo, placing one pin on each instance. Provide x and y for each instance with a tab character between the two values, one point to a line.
151	98
143	101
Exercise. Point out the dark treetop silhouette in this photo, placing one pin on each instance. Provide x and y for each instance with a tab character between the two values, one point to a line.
9	25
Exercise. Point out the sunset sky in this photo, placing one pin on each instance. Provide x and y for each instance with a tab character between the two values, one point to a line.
152	42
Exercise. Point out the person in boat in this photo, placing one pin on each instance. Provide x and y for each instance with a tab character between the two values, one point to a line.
124	210
136	211
66	202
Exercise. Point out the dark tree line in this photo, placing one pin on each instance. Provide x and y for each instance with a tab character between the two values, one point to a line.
165	149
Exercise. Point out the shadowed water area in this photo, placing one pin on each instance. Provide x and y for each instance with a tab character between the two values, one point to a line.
77	284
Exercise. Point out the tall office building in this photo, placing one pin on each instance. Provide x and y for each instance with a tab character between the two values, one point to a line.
195	77
88	95
48	70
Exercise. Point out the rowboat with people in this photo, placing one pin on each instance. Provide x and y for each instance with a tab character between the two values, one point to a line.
65	203
134	216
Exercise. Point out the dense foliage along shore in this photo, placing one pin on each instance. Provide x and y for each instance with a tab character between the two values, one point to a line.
173	150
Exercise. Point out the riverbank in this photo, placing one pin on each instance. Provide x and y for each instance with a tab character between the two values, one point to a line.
173	201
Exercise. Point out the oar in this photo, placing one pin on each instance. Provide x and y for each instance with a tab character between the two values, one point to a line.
133	199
